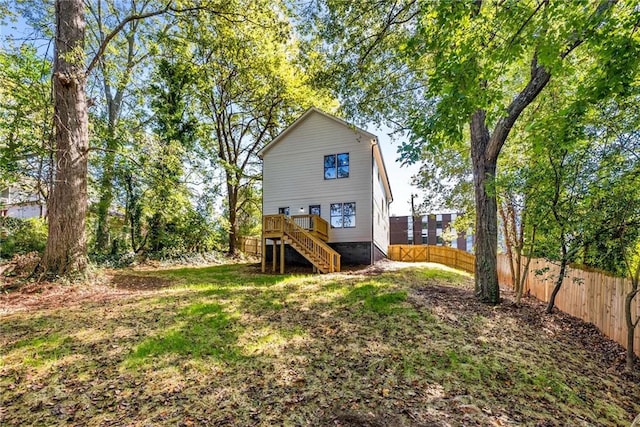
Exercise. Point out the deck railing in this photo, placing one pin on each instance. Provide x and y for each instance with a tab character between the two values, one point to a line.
273	225
313	224
319	250
306	232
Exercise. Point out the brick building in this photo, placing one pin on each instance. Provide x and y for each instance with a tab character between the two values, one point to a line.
427	230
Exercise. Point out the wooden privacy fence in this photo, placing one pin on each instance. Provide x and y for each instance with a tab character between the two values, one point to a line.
250	245
427	253
592	296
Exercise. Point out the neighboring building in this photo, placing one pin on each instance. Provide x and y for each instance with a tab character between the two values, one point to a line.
16	203
428	230
322	167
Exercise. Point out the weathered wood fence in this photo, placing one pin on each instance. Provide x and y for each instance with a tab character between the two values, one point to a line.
250	245
592	296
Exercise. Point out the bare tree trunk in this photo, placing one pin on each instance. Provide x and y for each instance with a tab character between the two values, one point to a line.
556	288
66	250
525	272
631	324
232	198
508	243
484	174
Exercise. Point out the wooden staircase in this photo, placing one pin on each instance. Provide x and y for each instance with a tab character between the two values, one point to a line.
306	234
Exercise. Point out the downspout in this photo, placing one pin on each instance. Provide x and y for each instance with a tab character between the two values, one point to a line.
373	202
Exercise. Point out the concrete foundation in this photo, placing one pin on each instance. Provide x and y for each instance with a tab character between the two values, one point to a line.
351	253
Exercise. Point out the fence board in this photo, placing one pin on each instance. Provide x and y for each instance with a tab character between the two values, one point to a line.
250	245
426	253
589	295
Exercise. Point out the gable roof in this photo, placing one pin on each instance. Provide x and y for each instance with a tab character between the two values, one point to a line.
373	138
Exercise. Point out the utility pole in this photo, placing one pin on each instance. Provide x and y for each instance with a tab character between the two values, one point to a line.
413	218
413	207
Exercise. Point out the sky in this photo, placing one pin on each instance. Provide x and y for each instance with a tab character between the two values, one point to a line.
400	177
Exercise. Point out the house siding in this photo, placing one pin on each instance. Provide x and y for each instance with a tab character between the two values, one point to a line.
293	174
380	212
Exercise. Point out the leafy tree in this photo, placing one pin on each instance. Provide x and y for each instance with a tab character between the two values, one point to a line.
66	251
120	70
25	120
477	64
167	197
251	84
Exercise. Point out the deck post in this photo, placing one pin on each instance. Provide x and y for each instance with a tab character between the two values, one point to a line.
273	263
264	254
282	256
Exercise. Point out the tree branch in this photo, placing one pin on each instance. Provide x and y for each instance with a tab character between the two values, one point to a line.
135	17
539	79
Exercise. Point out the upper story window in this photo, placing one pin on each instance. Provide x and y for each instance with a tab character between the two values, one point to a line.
314	209
336	166
284	211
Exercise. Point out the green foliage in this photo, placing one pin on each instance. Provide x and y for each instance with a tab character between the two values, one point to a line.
18	236
250	83
444	62
25	114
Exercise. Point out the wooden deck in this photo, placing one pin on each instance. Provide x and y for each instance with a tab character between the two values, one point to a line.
307	234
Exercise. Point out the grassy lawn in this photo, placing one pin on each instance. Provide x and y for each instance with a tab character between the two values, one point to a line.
227	345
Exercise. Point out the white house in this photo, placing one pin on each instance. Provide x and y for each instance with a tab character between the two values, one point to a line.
19	203
322	165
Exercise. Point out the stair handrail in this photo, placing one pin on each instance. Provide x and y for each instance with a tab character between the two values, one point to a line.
327	254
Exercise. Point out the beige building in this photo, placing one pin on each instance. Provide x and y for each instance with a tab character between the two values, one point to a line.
324	166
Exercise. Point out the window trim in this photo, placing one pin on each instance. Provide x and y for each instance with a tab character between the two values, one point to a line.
284	211
342	214
336	166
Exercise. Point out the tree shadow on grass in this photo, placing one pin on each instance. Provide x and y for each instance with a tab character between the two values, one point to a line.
376	299
202	330
231	275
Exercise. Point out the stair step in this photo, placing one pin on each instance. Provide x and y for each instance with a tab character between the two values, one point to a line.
308	252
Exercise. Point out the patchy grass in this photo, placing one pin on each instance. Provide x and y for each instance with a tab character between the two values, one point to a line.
227	345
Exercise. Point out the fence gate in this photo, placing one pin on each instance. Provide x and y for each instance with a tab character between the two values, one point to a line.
413	253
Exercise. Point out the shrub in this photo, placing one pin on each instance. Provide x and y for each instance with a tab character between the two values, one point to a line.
21	236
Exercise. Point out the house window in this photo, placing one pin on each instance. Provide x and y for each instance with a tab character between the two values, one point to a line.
284	211
336	166
314	210
343	215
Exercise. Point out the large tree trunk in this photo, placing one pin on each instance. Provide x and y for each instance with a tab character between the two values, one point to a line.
484	173
485	149
65	253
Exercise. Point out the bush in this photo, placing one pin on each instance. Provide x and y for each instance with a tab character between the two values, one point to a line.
118	260
21	236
